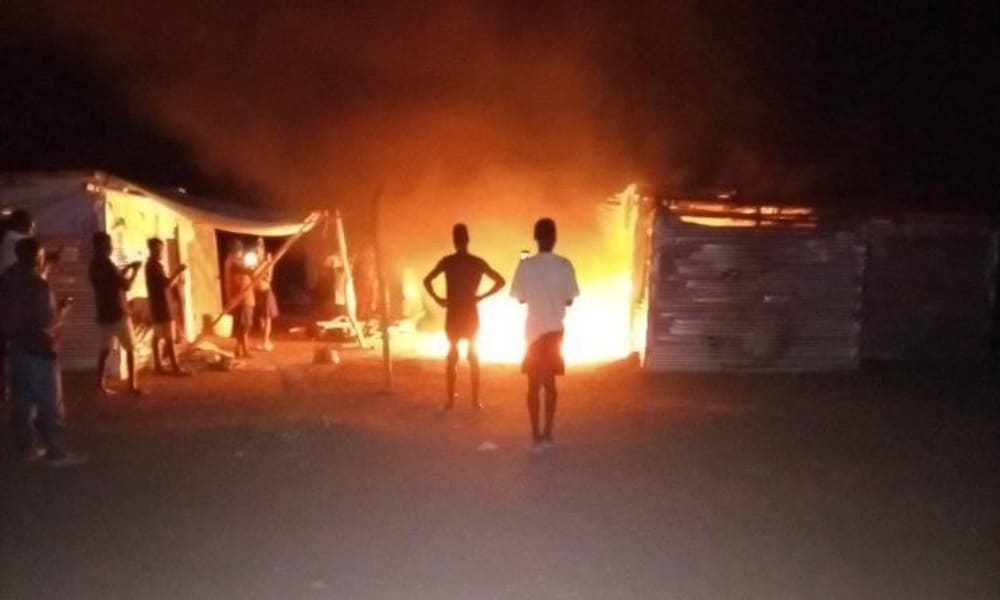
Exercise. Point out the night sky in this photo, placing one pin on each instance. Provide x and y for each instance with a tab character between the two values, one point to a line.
892	102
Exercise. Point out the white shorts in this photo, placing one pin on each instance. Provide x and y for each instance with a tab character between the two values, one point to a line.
120	330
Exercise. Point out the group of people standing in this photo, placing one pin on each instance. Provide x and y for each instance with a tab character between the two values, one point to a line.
31	320
546	283
250	298
111	283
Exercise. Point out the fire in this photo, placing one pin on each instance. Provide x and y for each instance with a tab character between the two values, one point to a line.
597	325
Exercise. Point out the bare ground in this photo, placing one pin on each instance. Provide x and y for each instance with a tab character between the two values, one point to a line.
289	481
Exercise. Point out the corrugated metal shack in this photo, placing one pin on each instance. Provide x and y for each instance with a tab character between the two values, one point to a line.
754	288
726	286
929	288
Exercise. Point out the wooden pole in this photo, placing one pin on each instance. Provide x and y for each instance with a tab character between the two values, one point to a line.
350	297
383	295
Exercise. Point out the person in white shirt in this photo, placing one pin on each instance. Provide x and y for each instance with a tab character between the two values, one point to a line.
19	227
546	282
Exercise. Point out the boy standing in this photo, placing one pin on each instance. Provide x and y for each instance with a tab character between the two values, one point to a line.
546	282
158	287
462	274
113	321
238	279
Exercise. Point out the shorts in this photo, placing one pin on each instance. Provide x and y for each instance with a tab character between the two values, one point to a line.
120	330
164	329
242	319
266	306
461	326
544	356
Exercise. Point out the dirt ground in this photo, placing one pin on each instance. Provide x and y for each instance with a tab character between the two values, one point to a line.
288	480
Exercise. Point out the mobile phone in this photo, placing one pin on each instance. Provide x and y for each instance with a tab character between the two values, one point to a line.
525	254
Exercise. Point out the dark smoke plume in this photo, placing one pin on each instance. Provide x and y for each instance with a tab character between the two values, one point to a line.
489	113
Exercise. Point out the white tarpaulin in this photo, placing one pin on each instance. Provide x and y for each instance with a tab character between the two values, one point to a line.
69	207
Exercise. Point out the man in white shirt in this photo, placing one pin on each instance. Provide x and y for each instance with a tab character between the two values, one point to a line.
546	282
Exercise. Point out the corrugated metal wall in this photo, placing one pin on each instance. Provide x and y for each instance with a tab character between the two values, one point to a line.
928	290
754	299
79	336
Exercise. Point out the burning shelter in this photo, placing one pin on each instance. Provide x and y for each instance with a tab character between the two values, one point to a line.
726	285
69	207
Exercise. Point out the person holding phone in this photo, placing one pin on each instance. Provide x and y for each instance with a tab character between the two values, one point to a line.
32	321
463	273
158	286
110	285
546	283
16	227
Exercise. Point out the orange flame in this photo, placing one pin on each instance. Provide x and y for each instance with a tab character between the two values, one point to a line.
598	324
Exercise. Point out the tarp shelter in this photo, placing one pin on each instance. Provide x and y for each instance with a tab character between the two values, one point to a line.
69	207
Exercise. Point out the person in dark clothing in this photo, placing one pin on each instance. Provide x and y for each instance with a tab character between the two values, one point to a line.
113	319
158	287
31	321
463	273
15	228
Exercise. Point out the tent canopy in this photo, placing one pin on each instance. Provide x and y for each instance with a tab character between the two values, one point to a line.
61	200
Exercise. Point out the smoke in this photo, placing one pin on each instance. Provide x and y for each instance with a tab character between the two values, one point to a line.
489	113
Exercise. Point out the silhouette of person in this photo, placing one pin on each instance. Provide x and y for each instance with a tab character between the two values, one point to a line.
158	286
546	282
463	273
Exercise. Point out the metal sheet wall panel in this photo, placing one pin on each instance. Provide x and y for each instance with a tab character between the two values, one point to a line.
753	299
79	337
928	290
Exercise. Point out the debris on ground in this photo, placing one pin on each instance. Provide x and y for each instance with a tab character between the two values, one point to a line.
207	355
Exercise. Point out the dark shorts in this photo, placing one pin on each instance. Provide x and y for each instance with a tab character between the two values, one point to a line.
266	305
461	325
159	312
242	319
544	356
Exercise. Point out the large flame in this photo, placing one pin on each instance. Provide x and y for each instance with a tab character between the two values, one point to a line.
598	324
